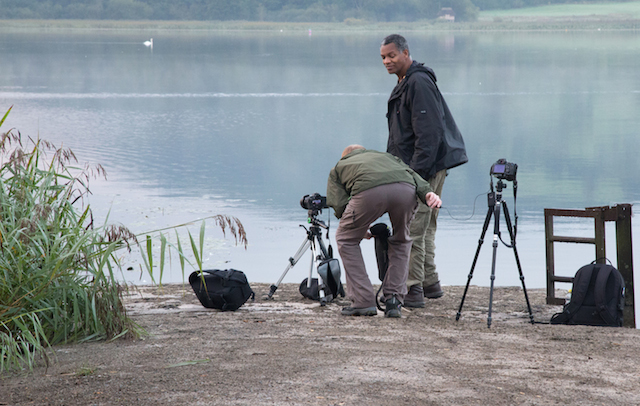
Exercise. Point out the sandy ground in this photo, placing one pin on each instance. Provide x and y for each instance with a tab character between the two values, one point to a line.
292	351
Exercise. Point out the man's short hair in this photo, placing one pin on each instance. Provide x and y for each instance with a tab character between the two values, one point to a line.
399	41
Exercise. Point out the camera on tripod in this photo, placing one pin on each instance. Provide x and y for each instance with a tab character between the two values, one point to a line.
327	286
504	170
315	202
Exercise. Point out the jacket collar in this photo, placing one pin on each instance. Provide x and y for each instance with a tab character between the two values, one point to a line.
415	67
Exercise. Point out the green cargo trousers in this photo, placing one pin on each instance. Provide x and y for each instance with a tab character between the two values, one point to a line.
422	265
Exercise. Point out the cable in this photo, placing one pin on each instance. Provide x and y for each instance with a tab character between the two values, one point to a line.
473	212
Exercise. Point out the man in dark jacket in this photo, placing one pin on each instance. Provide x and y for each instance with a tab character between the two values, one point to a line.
424	135
364	185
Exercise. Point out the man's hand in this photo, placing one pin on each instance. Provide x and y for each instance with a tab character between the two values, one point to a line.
433	200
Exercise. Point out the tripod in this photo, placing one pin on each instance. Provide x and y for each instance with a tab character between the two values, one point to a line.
314	241
495	202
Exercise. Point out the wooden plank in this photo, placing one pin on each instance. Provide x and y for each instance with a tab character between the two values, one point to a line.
567	279
548	231
576	240
624	247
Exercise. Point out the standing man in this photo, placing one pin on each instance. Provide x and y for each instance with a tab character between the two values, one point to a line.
364	185
424	135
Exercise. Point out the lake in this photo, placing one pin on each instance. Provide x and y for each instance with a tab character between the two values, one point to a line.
247	123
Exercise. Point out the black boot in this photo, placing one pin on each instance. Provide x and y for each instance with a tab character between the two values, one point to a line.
415	297
433	291
392	307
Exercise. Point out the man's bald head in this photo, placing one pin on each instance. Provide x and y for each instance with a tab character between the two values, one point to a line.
351	148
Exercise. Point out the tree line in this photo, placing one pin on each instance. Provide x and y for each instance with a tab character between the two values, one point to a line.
258	10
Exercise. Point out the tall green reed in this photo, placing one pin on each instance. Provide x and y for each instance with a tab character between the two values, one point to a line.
193	258
57	268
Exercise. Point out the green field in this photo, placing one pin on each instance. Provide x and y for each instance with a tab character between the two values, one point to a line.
610	16
622	10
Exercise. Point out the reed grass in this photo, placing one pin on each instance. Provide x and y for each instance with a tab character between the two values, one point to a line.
57	268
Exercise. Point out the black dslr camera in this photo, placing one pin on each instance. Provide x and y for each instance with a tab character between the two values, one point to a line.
314	202
504	170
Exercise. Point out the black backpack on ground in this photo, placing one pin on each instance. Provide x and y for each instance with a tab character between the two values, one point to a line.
221	289
597	298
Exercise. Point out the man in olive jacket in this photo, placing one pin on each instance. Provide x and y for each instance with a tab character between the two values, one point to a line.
364	185
423	133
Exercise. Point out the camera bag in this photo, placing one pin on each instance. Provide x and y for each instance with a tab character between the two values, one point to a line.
221	289
310	292
597	298
381	234
329	271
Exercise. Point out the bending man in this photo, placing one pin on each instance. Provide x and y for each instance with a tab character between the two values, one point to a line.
364	185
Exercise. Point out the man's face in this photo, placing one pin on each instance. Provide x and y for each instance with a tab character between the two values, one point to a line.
395	61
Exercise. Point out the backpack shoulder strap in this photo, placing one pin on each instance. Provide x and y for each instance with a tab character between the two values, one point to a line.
580	287
600	294
579	291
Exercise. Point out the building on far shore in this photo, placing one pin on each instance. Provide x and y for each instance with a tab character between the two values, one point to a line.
447	14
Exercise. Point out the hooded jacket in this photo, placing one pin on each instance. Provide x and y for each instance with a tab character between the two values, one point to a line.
422	131
364	169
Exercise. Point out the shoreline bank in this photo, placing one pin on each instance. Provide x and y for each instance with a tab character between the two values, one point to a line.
493	24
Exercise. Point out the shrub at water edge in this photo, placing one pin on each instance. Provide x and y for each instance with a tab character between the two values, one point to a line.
57	281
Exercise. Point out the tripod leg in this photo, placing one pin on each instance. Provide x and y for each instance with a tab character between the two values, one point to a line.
496	233
475	258
515	253
321	294
292	261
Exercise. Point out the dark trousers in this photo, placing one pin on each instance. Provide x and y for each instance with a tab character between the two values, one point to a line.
400	201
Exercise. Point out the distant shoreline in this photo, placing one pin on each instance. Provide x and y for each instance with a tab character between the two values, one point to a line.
587	23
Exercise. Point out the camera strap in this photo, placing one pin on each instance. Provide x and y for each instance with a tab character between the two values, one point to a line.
515	211
329	247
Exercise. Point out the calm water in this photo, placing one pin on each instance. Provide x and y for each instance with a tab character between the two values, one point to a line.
245	124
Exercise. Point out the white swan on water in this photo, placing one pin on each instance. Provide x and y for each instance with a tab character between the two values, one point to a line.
149	43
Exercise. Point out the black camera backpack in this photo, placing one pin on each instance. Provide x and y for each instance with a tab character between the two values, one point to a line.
597	298
381	233
221	289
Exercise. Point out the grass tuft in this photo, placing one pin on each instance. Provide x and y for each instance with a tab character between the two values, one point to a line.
194	258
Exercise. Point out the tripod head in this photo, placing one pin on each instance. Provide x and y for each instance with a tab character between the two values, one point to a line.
314	221
499	187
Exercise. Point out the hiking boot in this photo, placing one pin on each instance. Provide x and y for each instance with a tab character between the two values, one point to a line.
415	297
433	291
392	307
359	311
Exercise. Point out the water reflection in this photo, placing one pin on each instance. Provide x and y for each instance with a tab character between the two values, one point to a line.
247	123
